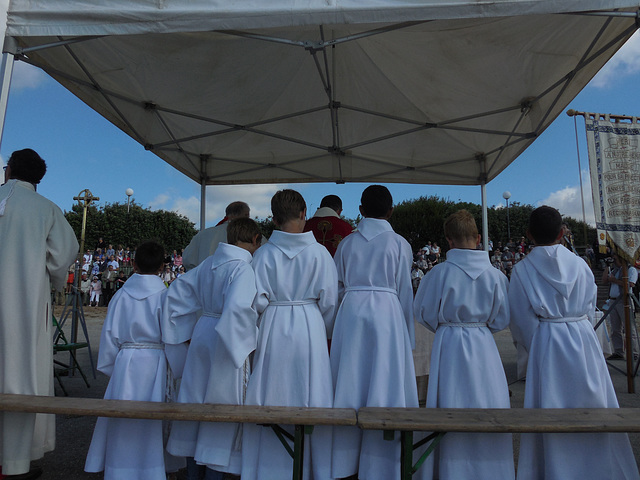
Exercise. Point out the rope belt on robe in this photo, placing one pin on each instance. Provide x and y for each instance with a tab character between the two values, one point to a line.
142	345
463	324
563	319
370	288
211	314
279	303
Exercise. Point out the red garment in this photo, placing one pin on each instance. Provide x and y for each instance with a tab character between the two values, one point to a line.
329	231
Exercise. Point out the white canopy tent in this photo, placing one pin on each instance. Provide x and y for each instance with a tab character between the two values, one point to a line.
387	91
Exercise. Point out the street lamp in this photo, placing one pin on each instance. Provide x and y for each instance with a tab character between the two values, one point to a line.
507	195
129	192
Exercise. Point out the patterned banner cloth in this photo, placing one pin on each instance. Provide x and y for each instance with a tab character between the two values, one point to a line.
614	162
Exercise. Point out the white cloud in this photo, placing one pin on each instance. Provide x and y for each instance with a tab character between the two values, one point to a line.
218	197
567	201
625	62
26	76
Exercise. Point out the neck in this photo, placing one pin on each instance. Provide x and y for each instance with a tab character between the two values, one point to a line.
293	226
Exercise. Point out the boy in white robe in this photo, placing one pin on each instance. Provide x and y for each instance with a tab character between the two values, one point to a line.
371	357
297	294
133	355
464	300
211	305
552	298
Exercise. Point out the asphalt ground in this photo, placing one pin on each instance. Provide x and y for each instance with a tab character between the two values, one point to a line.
74	432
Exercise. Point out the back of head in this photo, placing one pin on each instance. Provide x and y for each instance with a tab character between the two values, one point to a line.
460	226
237	210
27	165
242	230
333	202
149	258
545	225
287	205
376	201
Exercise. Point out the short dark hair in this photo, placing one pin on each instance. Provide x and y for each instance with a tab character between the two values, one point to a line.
237	209
287	205
27	165
332	201
242	230
149	257
376	201
545	224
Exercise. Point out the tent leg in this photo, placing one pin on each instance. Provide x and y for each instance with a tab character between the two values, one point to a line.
6	70
485	217
203	193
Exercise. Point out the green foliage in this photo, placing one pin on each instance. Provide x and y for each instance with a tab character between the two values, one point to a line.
117	227
266	226
422	220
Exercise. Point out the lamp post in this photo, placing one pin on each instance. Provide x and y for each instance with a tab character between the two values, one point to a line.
507	195
129	192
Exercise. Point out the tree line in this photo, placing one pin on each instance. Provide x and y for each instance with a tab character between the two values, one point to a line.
419	221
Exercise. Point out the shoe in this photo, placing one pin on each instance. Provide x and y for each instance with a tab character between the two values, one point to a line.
30	475
616	356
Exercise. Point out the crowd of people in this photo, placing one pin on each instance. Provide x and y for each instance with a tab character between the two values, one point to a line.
282	323
321	318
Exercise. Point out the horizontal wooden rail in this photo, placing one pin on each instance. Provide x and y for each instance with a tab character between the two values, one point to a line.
177	411
540	420
561	420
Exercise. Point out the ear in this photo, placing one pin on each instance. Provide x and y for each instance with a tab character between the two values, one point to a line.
560	235
452	243
254	240
389	213
479	240
361	211
531	238
303	214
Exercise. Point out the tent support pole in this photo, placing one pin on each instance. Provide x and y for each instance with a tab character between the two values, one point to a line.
203	190
482	158
485	217
6	70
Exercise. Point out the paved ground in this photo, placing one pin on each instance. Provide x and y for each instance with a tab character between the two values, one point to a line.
74	433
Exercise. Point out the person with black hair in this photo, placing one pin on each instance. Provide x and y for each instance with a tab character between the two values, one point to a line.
37	247
371	358
297	292
211	306
326	224
133	355
552	298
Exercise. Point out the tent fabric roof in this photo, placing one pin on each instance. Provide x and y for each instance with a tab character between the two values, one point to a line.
340	91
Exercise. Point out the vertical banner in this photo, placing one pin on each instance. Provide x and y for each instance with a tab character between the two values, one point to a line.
614	163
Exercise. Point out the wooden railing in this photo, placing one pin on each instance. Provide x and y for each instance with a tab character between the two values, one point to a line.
439	421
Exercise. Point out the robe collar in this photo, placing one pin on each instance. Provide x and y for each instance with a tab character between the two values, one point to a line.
326	212
226	252
472	262
291	244
143	286
370	228
553	264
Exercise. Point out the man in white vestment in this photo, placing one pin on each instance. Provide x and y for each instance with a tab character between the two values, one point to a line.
38	245
552	298
205	242
616	317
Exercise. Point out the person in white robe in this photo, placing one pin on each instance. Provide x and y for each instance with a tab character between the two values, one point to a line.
37	245
296	299
205	242
371	351
211	305
552	297
464	300
133	355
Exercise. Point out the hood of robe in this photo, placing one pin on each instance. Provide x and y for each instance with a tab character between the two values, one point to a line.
370	228
143	286
226	253
291	244
326	212
549	263
472	262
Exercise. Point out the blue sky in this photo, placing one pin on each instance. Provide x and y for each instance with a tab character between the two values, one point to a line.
85	151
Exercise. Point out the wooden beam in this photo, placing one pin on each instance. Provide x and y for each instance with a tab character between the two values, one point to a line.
540	420
177	411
